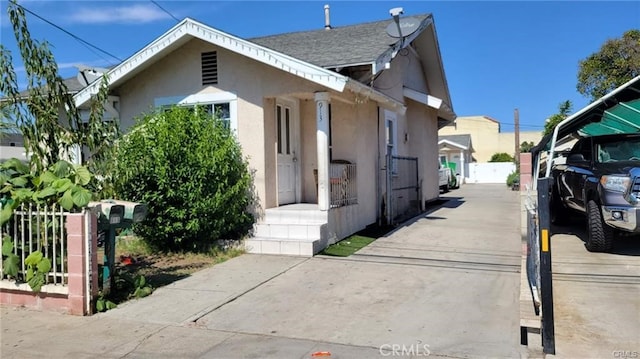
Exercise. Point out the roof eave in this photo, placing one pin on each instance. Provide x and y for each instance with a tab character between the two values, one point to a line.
189	27
384	100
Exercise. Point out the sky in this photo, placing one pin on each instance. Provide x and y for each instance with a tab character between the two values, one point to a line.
498	56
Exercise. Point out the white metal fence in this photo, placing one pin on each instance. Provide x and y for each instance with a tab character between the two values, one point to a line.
38	228
533	249
344	186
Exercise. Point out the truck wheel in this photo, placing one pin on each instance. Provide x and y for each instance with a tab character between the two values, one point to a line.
600	235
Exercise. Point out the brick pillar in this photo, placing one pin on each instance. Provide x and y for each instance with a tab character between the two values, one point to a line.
93	220
76	252
526	166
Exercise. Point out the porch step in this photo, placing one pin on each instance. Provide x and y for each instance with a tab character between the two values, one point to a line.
289	231
301	213
296	229
294	247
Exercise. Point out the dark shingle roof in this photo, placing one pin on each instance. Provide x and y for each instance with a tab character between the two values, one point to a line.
73	85
464	140
339	46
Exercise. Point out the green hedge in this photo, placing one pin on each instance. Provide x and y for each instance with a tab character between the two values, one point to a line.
189	169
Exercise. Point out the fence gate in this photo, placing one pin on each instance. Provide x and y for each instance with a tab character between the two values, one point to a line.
403	188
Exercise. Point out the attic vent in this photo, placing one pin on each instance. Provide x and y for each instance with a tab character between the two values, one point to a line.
209	68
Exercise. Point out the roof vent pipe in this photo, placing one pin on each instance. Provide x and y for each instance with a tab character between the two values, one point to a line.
327	23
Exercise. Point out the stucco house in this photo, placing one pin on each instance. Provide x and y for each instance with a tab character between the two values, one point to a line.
487	136
457	149
316	113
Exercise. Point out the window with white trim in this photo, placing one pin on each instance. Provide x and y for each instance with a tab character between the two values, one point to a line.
223	105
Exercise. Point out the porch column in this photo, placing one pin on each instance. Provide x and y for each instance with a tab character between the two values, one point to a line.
461	167
322	139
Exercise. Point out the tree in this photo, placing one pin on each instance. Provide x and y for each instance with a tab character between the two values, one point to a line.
46	114
617	62
189	170
501	157
564	110
526	146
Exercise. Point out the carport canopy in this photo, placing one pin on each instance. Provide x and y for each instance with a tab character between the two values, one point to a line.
615	112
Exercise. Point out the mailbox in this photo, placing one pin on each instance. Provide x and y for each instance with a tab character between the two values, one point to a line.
113	214
134	212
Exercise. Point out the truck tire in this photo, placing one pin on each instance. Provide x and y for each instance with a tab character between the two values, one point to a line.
600	235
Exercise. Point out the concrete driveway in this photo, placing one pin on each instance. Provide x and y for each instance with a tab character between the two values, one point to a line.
596	296
446	284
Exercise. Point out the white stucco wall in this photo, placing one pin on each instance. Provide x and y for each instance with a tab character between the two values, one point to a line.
358	133
179	74
495	172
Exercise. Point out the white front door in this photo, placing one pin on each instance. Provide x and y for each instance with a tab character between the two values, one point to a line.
286	122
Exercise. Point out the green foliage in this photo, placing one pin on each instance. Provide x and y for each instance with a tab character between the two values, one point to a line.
10	261
103	304
47	117
62	183
564	110
617	62
188	168
501	157
512	177
526	147
37	268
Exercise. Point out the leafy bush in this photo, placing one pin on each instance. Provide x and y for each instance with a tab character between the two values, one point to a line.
512	177
62	183
188	168
501	157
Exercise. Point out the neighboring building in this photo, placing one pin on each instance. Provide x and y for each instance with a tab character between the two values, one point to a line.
316	113
12	145
456	149
487	137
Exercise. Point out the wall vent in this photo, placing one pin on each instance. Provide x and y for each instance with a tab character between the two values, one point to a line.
209	68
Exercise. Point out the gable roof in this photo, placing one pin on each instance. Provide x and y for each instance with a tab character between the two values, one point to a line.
291	53
189	29
369	44
338	47
460	141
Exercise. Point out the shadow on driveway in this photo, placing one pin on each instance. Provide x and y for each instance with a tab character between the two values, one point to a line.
623	244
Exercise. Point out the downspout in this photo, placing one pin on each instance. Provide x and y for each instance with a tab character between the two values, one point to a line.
378	170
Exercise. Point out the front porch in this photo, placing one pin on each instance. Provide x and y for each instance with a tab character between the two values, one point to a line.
303	229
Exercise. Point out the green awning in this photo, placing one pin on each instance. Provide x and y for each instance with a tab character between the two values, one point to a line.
621	118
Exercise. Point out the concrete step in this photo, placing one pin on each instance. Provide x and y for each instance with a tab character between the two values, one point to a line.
295	247
289	231
295	214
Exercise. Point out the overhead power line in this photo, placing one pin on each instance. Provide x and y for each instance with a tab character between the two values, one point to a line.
163	9
86	43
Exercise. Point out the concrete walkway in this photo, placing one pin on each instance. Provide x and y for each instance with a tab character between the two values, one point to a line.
445	285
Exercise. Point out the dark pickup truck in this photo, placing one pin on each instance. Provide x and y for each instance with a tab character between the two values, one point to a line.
601	179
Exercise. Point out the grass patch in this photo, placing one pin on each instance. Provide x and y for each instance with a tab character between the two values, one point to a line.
354	243
348	246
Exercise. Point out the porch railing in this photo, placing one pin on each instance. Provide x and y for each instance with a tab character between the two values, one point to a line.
38	228
344	190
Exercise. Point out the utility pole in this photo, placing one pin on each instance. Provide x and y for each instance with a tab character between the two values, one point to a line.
516	118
